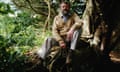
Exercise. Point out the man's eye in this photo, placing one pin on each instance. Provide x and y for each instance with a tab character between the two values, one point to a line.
63	6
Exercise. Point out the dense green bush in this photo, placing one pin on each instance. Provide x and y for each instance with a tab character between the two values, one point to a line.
18	35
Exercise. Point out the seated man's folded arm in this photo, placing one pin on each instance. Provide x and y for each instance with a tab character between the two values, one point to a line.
77	22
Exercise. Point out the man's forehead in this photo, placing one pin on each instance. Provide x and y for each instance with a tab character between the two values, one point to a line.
63	4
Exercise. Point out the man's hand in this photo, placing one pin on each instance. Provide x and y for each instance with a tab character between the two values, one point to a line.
62	44
69	35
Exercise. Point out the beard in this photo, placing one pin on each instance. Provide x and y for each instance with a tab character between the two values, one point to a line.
65	12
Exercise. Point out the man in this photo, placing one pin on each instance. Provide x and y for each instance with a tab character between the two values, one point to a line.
65	30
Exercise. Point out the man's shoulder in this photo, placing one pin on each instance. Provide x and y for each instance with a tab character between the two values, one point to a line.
57	17
74	14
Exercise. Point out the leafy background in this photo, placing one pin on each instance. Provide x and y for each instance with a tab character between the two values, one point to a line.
24	24
18	35
21	32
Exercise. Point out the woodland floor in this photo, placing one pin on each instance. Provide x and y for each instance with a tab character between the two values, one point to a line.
110	64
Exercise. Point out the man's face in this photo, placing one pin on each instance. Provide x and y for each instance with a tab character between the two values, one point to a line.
64	8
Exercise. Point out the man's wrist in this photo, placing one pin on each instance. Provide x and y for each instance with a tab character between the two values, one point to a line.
72	30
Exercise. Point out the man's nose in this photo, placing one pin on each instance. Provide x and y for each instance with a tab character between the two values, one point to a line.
65	8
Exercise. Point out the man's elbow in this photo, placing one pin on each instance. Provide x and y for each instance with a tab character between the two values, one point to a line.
79	25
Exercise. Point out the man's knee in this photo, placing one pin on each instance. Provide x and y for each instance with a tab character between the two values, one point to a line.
76	33
49	39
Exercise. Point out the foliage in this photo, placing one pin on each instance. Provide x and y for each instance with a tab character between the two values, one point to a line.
22	32
79	6
49	8
18	35
5	8
40	6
